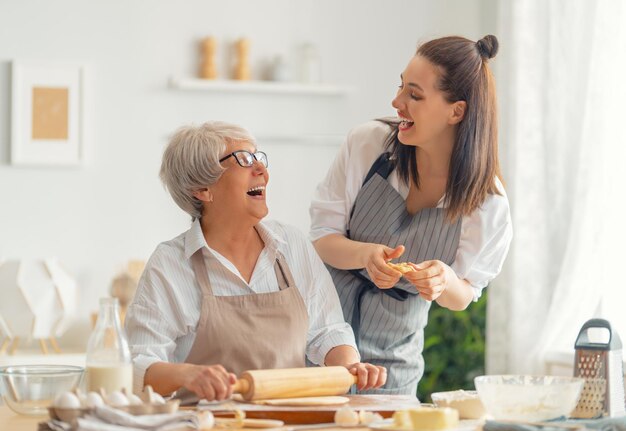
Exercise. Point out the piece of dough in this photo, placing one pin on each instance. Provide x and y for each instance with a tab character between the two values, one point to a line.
346	417
305	401
403	267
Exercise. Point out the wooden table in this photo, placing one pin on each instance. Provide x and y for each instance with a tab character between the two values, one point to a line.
384	404
305	418
11	421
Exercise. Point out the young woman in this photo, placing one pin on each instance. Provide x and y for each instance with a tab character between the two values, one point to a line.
425	188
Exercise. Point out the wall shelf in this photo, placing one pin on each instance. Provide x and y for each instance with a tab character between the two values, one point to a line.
258	87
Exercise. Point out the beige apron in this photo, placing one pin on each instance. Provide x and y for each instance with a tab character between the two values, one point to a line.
248	332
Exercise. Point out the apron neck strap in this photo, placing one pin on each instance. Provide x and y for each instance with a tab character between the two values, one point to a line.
202	275
283	274
382	166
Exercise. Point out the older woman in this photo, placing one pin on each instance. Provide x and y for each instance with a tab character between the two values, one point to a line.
232	293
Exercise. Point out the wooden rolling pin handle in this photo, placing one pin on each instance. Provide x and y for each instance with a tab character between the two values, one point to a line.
241	386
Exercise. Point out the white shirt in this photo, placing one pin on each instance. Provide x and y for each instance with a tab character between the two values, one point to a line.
485	234
161	322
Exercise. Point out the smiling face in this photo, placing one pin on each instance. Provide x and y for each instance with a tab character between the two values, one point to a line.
239	194
425	113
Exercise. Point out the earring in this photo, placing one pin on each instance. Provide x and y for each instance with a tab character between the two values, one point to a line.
210	198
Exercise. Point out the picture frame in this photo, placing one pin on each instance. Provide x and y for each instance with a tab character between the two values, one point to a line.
47	103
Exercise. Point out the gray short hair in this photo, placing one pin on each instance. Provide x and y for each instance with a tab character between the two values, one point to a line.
191	160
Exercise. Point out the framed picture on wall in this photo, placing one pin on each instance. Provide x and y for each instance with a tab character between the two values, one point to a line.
47	113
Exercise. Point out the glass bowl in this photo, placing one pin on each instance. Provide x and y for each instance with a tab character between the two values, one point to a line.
528	398
31	389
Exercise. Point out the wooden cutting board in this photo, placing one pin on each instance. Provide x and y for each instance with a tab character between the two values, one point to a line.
385	405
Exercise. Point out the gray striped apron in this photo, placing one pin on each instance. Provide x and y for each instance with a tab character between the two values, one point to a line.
389	323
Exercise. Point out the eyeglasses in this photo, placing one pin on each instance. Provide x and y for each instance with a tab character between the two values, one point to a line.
246	159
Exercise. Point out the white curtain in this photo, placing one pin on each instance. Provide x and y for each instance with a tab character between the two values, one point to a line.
561	76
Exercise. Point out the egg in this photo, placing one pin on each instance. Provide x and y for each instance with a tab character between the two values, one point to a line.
67	400
367	417
346	417
134	400
117	399
93	399
206	419
81	397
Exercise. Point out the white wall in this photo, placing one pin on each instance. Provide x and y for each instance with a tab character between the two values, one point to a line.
113	208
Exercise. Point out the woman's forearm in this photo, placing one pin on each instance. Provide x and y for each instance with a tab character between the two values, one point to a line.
343	355
458	294
341	252
165	377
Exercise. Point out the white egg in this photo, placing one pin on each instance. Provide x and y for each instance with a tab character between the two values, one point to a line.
207	421
93	399
367	417
81	397
157	399
67	400
134	400
117	399
346	417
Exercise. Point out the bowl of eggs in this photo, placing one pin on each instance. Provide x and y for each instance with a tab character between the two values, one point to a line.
30	389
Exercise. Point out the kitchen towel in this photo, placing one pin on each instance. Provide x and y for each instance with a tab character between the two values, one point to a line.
603	424
106	418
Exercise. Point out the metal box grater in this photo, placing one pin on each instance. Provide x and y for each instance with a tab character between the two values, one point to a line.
600	364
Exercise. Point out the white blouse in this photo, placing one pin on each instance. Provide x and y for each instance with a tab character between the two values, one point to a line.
162	319
485	234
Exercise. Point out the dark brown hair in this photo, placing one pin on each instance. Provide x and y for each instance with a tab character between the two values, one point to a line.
474	166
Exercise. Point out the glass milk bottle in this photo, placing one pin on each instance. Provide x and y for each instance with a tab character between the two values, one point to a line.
109	365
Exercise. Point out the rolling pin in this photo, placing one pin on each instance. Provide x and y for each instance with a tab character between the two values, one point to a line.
294	382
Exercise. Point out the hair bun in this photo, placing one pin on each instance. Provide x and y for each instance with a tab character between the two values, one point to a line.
488	46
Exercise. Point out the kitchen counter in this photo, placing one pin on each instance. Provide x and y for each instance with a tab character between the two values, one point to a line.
309	418
11	421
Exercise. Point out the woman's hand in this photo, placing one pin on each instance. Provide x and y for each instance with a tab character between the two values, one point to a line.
375	258
430	278
211	382
369	376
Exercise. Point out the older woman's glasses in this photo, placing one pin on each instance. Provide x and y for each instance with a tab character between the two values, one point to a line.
246	159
